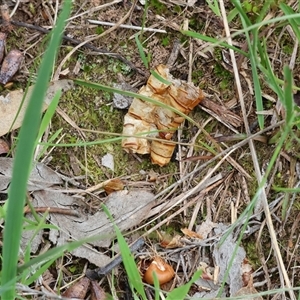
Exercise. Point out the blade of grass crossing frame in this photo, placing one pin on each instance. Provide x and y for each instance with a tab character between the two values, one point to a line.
132	271
141	51
267	70
214	6
294	22
56	252
50	140
48	115
23	158
160	78
213	41
288	96
182	291
252	45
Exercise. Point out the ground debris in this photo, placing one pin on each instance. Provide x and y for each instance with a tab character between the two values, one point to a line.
127	208
10	104
121	101
78	290
41	176
222	255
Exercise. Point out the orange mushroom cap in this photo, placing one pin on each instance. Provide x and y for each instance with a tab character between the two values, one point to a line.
164	272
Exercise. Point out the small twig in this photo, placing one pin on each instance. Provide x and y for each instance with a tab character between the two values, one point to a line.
108	31
94	9
78	42
100	272
174	54
53	210
127	26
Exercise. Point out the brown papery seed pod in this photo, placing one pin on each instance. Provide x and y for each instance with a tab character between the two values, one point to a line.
145	118
161	152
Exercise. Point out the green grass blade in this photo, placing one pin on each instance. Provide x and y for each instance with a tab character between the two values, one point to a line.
23	158
57	252
252	45
182	291
48	115
39	272
50	140
160	78
134	277
141	51
288	95
214	6
267	70
232	14
213	41
294	22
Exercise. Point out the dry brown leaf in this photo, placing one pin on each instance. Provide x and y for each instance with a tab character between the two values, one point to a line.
169	242
10	65
4	148
247	271
97	293
249	290
191	234
78	290
9	105
113	185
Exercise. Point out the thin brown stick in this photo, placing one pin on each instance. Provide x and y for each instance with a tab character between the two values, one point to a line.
53	210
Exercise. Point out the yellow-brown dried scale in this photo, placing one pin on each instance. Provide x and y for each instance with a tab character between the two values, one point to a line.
145	117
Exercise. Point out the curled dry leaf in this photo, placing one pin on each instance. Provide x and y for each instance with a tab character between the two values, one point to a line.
78	290
10	65
191	234
249	290
169	242
145	117
4	148
113	185
97	293
163	271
